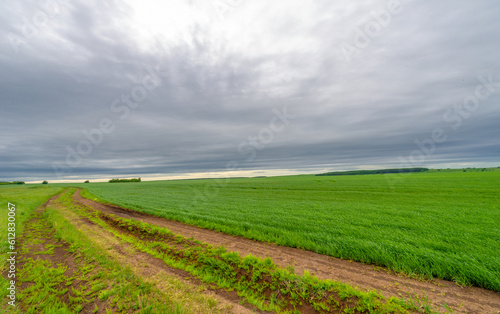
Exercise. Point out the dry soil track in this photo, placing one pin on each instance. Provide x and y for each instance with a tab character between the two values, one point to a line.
460	299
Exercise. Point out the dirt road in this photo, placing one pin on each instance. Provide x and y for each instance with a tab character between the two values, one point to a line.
439	292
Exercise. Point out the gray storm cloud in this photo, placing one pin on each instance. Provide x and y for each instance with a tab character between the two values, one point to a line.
92	90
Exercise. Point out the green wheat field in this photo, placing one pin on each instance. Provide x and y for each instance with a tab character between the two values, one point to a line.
439	223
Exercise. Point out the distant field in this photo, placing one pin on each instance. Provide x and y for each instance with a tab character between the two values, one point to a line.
444	224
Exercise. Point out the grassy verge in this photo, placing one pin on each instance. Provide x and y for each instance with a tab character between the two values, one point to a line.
27	199
61	271
192	298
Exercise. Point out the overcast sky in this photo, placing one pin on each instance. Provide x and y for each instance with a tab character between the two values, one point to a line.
100	89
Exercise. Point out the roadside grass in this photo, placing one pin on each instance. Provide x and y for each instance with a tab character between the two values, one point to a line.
83	278
436	224
259	281
191	298
27	199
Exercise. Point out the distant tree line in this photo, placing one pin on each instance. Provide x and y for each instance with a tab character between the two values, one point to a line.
13	182
381	171
124	180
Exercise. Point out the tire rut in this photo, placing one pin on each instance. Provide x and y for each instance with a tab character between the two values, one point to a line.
367	277
153	269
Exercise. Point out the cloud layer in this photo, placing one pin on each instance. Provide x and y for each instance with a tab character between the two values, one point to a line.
207	86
